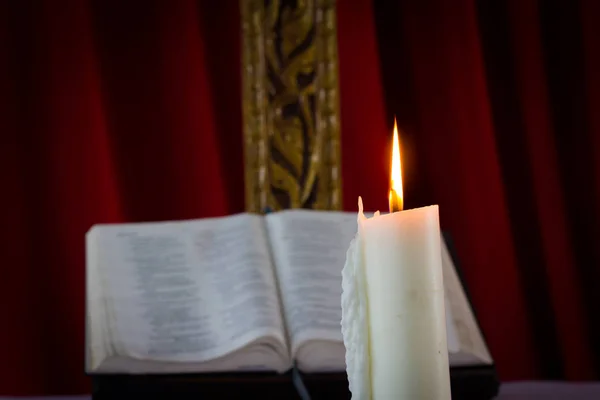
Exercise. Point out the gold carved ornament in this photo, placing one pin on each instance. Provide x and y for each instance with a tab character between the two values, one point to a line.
290	103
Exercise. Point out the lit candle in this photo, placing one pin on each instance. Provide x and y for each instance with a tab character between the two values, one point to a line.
393	316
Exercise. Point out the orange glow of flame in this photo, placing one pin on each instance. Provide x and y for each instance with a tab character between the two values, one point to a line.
396	198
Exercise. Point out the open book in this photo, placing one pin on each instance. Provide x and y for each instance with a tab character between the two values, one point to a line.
238	293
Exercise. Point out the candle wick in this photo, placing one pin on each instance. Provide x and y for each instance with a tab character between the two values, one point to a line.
395	202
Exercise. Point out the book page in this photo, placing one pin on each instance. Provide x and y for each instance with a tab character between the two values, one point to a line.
96	334
309	248
190	290
465	339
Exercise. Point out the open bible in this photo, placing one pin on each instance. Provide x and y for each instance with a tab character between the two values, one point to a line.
238	293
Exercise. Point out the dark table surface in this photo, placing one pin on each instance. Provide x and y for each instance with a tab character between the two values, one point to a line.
508	391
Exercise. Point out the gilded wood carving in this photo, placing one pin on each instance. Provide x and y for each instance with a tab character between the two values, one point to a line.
290	104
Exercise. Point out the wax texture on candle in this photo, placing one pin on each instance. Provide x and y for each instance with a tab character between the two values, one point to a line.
355	320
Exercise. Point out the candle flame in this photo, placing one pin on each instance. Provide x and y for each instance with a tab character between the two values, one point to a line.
396	198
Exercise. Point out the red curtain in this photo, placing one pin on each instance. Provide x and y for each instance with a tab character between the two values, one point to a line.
496	100
111	111
130	111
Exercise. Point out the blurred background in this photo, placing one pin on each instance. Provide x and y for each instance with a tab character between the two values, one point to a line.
118	111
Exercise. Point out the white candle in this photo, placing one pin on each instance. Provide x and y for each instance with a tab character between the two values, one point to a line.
405	305
393	285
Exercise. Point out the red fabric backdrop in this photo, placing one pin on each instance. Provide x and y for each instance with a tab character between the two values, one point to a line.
130	111
496	100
